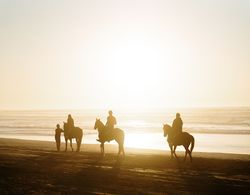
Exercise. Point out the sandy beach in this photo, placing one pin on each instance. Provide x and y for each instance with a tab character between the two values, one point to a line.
144	75
34	167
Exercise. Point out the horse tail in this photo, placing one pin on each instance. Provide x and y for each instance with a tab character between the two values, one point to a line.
78	136
192	143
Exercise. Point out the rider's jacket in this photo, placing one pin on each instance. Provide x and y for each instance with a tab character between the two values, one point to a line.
111	122
177	125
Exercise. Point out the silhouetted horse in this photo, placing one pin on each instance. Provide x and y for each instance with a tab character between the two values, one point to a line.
107	135
184	139
69	134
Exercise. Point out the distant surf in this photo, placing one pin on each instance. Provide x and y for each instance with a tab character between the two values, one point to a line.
224	130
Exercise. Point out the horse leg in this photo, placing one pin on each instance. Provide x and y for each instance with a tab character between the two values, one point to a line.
175	153
71	145
187	151
171	150
122	145
76	145
78	142
119	146
66	146
119	150
190	155
123	153
102	149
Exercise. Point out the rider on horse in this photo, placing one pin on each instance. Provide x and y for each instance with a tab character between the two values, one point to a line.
110	124
70	122
177	124
111	121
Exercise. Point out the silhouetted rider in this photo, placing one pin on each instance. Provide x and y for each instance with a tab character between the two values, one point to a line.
110	124
70	122
111	121
177	123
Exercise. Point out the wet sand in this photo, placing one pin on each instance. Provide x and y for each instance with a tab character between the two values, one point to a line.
34	167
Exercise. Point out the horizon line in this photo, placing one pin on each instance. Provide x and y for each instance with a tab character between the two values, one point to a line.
127	109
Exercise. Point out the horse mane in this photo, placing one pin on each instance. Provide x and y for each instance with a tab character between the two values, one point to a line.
170	130
101	124
65	128
166	125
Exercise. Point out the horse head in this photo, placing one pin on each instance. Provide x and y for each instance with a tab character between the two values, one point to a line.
65	126
166	129
98	124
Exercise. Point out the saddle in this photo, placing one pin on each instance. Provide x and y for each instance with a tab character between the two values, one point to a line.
106	135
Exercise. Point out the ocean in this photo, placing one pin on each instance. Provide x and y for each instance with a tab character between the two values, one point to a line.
221	130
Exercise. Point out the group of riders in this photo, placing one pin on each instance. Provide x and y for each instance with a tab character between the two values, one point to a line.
110	126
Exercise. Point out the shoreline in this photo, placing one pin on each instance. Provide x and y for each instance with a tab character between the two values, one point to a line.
113	148
34	167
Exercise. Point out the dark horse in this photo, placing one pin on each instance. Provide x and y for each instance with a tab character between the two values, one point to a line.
184	139
69	134
107	135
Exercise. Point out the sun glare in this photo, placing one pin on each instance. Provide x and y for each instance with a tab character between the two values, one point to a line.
134	72
138	140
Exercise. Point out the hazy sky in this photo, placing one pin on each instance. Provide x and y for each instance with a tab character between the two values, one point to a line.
124	54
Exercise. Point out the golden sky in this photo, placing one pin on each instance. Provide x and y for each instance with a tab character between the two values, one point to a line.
124	54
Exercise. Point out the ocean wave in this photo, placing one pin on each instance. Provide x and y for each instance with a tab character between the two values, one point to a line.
210	121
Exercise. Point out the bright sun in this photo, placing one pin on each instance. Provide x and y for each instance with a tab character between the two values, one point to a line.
135	72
